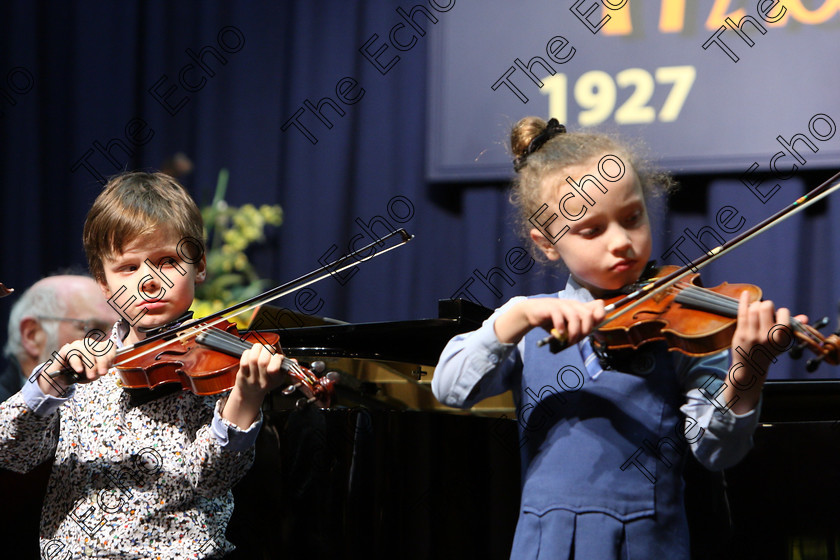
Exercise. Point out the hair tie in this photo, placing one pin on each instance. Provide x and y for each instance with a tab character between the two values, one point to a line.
552	129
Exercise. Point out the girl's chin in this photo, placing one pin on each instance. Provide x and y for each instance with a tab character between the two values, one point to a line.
611	285
598	290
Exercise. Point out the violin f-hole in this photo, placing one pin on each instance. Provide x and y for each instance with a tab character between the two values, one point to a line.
170	352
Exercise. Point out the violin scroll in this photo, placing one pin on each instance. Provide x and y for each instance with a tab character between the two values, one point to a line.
316	388
825	348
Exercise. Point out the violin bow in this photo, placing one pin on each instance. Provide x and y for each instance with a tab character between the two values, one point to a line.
630	301
197	326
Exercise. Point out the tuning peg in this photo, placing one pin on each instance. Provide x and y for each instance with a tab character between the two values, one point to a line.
821	323
812	364
291	389
318	367
333	376
303	401
796	351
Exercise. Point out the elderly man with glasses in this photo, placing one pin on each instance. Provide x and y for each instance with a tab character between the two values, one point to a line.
51	313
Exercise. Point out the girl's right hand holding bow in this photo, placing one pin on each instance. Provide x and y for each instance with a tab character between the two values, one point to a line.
573	319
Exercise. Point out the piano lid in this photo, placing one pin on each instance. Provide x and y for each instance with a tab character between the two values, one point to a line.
800	401
417	341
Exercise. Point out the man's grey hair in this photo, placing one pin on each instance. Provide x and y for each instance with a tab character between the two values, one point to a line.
39	300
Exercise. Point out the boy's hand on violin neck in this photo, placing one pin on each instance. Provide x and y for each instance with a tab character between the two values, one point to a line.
574	319
260	371
79	358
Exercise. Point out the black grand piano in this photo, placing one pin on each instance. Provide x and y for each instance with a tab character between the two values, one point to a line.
389	472
383	473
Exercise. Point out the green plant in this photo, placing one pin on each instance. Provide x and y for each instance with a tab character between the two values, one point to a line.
231	230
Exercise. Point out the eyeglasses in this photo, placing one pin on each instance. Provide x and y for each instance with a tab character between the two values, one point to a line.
84	325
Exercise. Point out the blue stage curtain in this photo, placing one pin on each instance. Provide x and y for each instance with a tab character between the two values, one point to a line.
92	66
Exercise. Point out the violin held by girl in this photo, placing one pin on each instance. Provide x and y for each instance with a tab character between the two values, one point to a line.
577	501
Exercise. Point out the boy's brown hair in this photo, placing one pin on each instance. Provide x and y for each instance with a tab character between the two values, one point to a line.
135	204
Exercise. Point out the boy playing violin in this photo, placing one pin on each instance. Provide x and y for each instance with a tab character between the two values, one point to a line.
149	477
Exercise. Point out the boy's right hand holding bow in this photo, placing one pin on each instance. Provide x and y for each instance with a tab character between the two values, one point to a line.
89	366
574	319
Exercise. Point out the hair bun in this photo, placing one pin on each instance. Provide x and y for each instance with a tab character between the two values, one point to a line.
548	131
523	133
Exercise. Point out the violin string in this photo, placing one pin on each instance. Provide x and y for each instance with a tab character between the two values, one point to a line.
726	305
236	344
705	299
192	330
633	300
215	341
730	304
239	346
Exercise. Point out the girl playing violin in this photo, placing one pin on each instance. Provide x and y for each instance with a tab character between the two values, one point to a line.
137	478
599	444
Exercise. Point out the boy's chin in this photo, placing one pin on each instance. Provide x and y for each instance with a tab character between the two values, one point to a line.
154	321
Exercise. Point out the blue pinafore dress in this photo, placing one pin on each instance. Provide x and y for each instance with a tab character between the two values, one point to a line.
585	440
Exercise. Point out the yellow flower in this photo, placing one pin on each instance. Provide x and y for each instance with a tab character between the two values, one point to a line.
232	231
